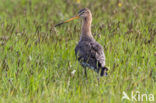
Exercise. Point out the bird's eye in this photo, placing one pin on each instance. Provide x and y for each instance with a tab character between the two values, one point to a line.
82	12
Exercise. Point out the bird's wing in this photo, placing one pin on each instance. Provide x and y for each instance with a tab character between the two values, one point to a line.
99	53
92	51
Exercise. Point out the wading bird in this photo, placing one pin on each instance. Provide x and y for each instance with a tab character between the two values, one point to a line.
88	52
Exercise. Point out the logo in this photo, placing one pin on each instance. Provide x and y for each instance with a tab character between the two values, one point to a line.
137	96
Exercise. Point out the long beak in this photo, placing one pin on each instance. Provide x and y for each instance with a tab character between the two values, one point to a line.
76	17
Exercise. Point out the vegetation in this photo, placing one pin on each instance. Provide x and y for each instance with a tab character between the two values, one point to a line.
36	59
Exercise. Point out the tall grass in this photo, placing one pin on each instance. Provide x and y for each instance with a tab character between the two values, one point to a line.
36	59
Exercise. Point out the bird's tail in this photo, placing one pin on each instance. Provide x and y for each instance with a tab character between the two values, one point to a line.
104	71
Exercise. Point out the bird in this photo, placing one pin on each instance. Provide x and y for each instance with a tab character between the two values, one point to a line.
88	51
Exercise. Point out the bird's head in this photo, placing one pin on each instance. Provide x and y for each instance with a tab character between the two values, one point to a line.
83	13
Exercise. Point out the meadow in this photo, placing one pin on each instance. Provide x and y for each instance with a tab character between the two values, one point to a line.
36	59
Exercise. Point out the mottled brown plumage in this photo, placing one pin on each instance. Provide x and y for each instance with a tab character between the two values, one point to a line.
88	51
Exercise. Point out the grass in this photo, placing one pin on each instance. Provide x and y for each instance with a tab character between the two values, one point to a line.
36	59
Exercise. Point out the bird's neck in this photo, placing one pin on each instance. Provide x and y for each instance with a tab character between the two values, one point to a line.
86	27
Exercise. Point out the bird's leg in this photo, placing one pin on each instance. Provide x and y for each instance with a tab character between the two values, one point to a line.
78	70
98	77
85	71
